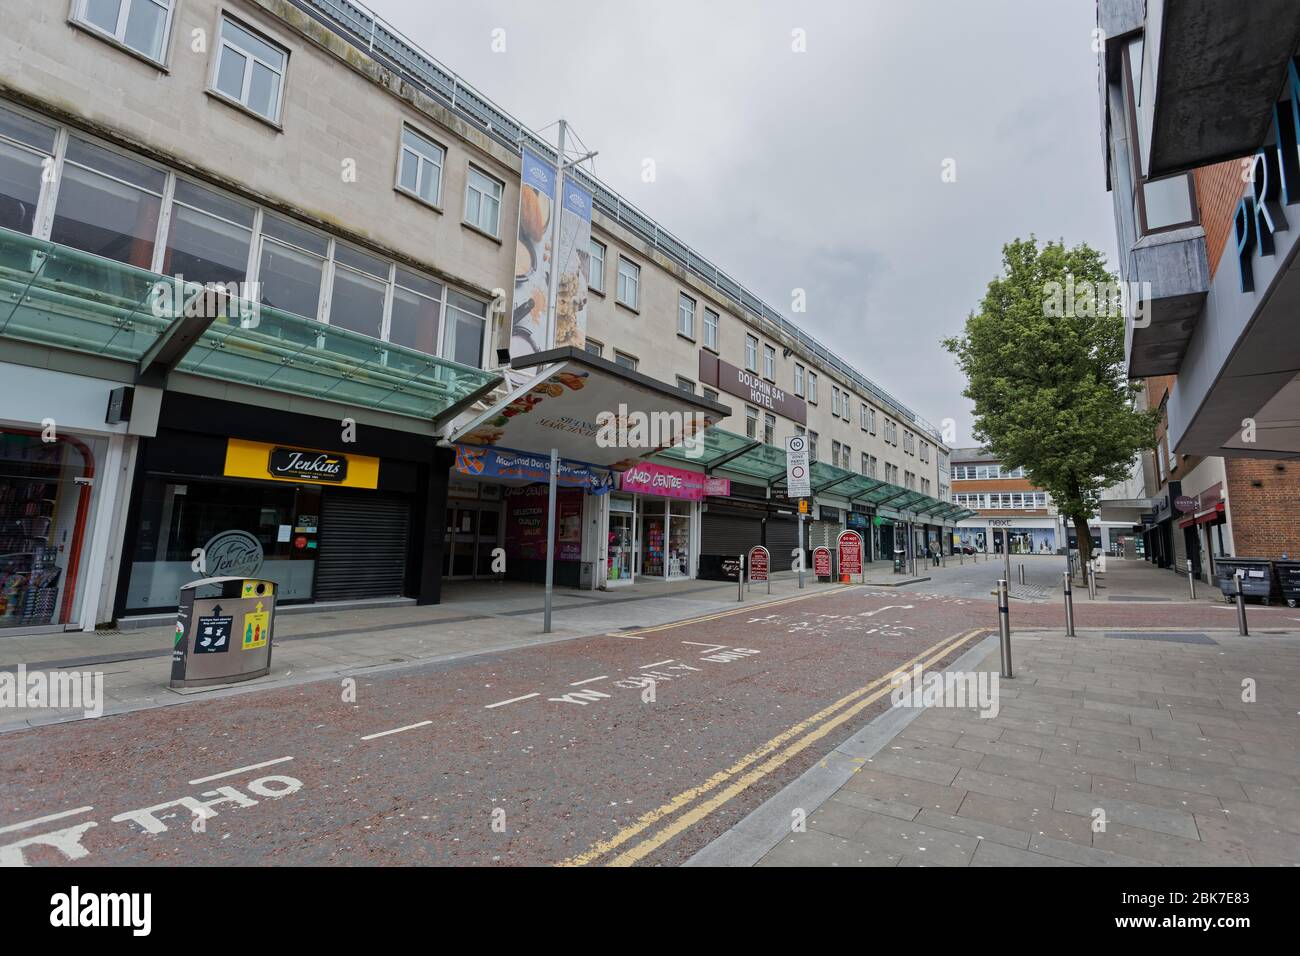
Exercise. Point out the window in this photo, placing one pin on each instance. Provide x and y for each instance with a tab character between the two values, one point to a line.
835	400
891	432
596	279
751	422
417	312
210	236
292	267
751	353
812	446
139	25
420	171
798	379
629	282
844	407
925	486
710	329
483	202
466	325
812	388
846	458
769	363
835	453
360	287
625	361
769	428
594	347
250	70
866	463
686	385
109	205
26	147
925	451
711	395
685	316
1158	205
909	443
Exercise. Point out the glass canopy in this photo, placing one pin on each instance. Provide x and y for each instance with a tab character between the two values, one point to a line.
747	459
56	296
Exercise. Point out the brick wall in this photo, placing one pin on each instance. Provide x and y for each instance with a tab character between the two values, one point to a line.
1265	519
1218	191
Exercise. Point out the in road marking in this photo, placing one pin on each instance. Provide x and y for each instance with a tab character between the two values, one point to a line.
397	730
657	663
680	801
748	609
39	820
512	700
589	680
231	773
711	647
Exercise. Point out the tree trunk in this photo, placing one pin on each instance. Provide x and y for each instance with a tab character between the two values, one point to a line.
1085	543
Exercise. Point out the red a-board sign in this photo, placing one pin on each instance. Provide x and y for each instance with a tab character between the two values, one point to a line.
850	552
822	562
758	563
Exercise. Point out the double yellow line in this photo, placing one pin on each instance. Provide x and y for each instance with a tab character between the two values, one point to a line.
736	776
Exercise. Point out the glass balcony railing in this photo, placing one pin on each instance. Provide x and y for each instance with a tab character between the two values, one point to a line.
56	296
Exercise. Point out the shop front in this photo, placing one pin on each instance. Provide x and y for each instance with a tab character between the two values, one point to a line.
659	507
328	521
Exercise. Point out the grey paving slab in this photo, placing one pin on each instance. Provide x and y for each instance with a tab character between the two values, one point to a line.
815	848
1159	819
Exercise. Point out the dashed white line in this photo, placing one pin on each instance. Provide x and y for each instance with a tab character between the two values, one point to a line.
657	663
512	700
397	730
238	770
589	680
39	820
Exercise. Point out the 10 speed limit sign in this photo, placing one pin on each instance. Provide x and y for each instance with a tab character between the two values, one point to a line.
797	479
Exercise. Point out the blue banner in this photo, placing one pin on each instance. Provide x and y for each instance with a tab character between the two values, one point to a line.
506	464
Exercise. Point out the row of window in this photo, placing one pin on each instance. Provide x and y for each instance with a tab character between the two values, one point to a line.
973	472
59	185
1014	499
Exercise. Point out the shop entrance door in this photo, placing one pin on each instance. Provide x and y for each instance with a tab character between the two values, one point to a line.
471	536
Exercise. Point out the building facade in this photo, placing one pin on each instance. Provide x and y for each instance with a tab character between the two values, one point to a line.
1199	105
257	257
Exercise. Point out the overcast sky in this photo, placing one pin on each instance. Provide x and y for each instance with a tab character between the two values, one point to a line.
820	170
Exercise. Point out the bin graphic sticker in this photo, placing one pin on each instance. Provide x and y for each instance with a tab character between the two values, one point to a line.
257	628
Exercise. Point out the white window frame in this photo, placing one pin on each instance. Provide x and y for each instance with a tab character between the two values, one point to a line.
592	347
769	362
250	58
118	36
798	379
596	277
685	384
685	316
422	162
633	281
499	199
811	384
751	353
712	321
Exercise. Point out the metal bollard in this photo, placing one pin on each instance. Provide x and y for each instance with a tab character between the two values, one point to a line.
1241	607
1004	627
1022	572
1092	582
1191	580
1069	605
740	581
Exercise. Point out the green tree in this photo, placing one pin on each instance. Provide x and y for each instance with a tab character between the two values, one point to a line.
1044	364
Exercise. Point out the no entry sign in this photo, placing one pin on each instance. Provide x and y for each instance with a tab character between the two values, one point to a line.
850	543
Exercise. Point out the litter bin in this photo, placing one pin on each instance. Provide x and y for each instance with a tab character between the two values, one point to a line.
1288	579
223	631
900	561
1256	577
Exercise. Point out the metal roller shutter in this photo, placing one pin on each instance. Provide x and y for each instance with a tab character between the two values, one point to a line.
363	541
782	538
729	534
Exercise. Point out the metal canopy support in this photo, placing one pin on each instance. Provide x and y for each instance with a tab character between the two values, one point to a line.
831	484
719	462
550	542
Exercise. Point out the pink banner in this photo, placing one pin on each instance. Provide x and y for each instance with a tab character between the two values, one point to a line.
717	487
662	481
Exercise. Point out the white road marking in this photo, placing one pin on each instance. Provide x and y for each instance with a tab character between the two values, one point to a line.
512	700
711	647
657	663
39	820
589	680
397	730
231	773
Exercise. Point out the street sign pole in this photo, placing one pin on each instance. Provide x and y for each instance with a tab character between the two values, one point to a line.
550	543
801	548
798	484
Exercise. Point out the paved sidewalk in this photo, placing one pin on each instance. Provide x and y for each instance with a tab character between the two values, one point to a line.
1149	729
475	618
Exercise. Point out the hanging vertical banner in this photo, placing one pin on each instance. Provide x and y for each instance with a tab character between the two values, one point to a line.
534	259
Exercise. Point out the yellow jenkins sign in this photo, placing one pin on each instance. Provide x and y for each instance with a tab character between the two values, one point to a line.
251	459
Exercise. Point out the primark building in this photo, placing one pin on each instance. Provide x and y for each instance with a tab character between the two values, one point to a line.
274	301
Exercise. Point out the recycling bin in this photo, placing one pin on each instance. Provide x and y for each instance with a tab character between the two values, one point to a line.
223	631
1256	577
1288	579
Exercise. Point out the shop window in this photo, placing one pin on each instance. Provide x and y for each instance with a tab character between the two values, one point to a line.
417	312
209	237
108	204
250	70
139	25
360	287
420	170
26	148
466	324
292	267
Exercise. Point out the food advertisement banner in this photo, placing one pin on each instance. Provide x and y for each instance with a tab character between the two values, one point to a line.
507	464
534	259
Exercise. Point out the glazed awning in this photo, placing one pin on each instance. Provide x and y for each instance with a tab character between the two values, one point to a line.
55	296
569	404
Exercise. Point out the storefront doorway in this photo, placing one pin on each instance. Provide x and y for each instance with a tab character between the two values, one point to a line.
621	543
473	533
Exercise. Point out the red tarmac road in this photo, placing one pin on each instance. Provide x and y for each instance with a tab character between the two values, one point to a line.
540	755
